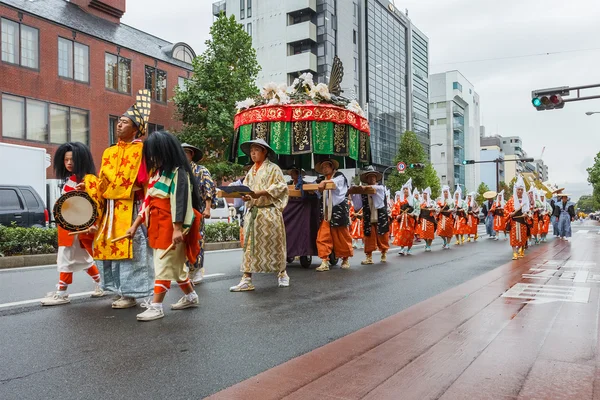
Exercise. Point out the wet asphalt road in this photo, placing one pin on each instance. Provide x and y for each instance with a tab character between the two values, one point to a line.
86	350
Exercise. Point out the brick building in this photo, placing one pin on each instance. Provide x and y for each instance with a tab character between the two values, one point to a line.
68	70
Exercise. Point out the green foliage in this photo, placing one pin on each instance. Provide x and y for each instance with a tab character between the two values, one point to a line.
588	204
221	232
480	191
594	178
503	186
411	151
15	241
223	74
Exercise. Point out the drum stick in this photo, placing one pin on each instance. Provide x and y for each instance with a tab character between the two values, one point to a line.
79	233
172	246
119	238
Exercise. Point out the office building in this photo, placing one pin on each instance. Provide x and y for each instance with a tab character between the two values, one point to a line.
70	69
455	129
386	59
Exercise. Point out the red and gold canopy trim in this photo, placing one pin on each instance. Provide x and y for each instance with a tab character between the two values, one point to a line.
302	112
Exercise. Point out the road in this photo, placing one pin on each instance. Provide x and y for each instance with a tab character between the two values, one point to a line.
86	350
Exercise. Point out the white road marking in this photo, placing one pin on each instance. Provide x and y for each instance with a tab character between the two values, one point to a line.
582	231
71	296
548	293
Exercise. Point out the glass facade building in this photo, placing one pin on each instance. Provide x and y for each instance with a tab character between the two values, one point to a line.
386	81
458	128
397	76
420	88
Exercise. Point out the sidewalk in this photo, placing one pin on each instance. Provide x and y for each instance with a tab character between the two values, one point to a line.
526	330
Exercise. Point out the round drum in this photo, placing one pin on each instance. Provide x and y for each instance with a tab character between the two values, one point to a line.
75	211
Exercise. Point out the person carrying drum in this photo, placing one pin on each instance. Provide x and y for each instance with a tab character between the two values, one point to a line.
460	222
334	235
125	262
427	221
472	217
73	162
171	210
376	224
499	217
545	213
406	211
208	194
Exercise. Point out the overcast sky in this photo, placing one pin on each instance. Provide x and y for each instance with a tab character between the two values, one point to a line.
466	30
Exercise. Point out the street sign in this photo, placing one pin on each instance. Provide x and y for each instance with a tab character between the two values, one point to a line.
401	167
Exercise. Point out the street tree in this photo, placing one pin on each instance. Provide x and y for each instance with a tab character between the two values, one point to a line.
594	178
225	73
410	151
480	191
588	204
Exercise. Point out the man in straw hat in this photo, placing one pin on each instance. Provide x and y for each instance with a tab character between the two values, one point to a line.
208	196
376	225
516	210
334	235
265	243
564	212
125	263
556	191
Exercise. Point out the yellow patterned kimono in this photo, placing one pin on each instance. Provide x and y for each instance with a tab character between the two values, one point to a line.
117	185
265	245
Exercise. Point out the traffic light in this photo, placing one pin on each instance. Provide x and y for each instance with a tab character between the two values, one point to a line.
465	162
526	159
417	166
549	99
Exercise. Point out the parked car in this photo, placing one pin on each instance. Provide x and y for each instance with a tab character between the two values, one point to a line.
220	213
23	206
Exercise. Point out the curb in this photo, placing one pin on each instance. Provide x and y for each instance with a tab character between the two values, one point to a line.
50	259
27	261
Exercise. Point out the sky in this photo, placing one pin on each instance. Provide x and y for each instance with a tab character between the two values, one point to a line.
461	31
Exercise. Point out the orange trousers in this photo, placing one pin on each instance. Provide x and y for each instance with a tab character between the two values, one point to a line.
376	241
334	240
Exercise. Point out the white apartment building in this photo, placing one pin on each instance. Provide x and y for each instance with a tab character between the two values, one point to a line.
454	114
385	58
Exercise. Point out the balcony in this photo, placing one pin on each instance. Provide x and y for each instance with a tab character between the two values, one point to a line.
298	5
457	113
302	31
301	62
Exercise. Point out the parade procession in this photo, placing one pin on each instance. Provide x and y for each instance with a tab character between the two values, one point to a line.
138	225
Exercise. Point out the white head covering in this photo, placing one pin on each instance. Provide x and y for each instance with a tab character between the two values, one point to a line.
498	201
428	202
408	185
524	202
416	194
459	192
398	195
542	194
472	201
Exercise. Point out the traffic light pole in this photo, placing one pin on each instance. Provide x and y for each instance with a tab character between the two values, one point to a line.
578	89
497	161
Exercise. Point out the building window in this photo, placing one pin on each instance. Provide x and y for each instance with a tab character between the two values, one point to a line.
354	36
182	83
155	127
183	53
73	60
118	73
457	86
242	8
113	121
443	154
441	121
248	8
20	44
441	104
59	123
36	120
249	29
355	64
156	82
470	91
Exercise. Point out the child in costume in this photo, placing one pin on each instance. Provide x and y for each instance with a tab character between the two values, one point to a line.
74	163
171	212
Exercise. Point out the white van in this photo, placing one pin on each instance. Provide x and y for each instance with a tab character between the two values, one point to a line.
221	213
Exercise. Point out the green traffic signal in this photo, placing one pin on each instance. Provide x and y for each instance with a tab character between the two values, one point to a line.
536	102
